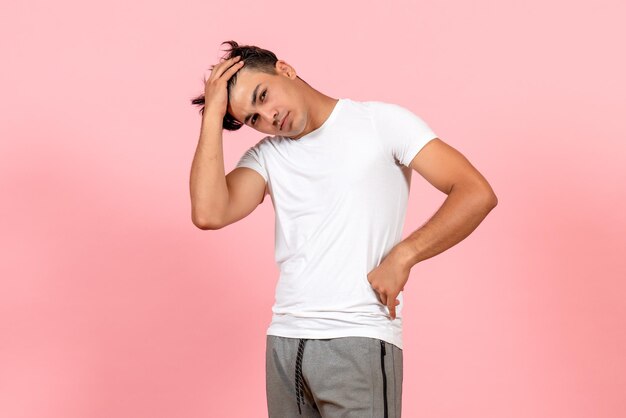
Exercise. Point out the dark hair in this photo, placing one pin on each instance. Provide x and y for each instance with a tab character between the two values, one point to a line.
255	58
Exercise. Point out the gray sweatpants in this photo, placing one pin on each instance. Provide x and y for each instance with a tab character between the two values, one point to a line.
347	377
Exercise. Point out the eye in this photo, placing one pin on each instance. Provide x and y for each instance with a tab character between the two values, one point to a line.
262	98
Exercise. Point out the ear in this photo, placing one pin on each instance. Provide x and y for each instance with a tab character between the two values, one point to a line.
284	68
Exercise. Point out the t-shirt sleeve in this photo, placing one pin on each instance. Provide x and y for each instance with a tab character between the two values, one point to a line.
253	159
402	132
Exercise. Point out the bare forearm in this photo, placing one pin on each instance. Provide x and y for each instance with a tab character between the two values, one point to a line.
461	212
207	183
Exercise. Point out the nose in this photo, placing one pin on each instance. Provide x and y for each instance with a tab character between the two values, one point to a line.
271	116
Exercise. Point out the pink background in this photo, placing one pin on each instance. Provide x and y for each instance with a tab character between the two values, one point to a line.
112	304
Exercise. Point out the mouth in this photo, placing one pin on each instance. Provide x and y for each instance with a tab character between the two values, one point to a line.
283	122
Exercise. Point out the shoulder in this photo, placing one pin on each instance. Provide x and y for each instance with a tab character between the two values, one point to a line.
386	109
379	105
384	113
355	109
262	144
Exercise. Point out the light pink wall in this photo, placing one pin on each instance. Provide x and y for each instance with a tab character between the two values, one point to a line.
112	304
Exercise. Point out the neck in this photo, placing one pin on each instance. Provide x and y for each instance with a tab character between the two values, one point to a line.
320	106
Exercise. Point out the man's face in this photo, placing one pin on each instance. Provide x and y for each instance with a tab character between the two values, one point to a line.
275	97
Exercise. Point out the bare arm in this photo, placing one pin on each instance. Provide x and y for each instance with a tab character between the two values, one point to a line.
470	199
218	199
208	187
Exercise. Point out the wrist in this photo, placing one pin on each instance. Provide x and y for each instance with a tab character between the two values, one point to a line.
404	254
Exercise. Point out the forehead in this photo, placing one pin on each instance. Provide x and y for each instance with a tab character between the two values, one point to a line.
240	101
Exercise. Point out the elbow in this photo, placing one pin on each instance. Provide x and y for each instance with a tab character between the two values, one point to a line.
480	194
487	196
491	200
483	197
205	223
486	199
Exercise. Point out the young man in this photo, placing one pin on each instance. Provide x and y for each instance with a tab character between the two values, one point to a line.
338	172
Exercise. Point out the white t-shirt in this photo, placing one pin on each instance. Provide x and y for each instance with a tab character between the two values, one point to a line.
340	195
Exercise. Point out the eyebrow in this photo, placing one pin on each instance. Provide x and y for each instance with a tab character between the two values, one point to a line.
252	101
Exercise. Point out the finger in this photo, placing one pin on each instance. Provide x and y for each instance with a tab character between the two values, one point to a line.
383	298
219	69
392	310
228	61
228	73
233	69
